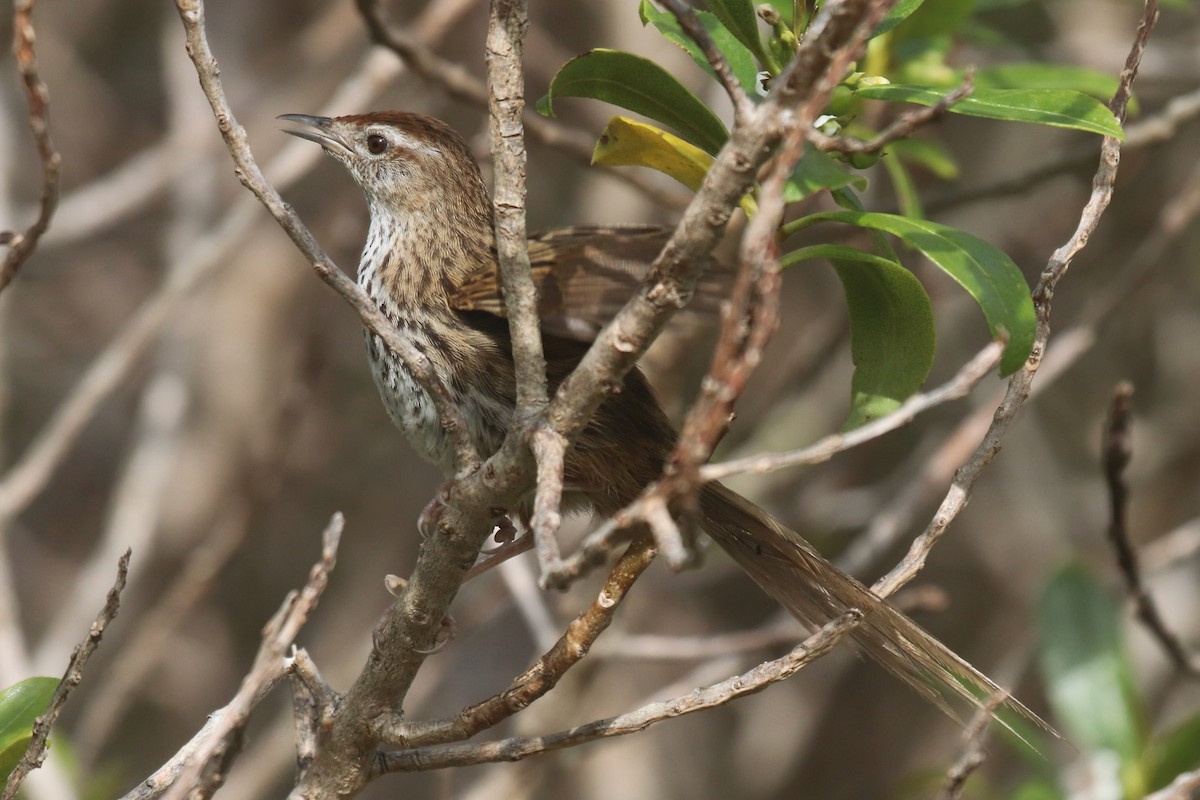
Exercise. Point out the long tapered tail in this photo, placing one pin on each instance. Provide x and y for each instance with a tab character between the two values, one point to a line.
799	578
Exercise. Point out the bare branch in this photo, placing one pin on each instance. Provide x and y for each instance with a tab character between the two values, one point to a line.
21	245
507	23
544	675
904	126
192	766
549	449
973	753
1020	384
35	753
716	59
1117	452
519	748
957	387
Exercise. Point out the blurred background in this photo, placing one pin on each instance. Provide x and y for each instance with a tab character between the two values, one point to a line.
174	379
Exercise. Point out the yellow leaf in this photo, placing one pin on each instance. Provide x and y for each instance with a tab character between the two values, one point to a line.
628	143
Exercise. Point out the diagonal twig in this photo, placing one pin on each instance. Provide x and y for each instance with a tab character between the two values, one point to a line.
544	675
690	23
903	127
1117	452
194	769
1019	386
21	245
519	748
973	753
36	752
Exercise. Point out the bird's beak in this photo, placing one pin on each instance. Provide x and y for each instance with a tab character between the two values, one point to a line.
322	133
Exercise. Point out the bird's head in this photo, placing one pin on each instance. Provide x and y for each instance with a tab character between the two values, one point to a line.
403	161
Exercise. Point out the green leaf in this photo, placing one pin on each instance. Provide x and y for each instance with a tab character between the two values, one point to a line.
739	18
741	60
1177	751
1038	789
20	706
1094	83
1086	669
899	12
926	153
983	270
640	85
816	172
891	329
1061	108
936	18
1047	76
906	191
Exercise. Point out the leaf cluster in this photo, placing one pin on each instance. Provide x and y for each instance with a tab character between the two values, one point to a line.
891	321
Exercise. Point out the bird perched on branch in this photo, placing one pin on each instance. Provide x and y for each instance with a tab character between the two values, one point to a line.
430	264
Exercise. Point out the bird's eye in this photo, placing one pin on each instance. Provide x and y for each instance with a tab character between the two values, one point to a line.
376	143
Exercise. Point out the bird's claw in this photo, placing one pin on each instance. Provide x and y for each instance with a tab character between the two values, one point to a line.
431	515
447	633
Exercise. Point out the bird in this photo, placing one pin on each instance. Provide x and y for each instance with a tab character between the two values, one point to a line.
430	264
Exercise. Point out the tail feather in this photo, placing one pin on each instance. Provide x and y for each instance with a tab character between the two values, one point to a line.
799	578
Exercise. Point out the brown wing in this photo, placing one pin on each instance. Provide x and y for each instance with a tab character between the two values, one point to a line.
584	275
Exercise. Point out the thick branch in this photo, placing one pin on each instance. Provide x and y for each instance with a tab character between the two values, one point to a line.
508	22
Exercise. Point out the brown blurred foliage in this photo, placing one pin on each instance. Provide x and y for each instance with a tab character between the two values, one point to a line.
249	417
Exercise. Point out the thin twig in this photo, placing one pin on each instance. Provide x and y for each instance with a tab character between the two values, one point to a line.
1117	452
35	753
957	387
269	668
973	753
903	127
544	675
519	748
21	245
1019	385
690	23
